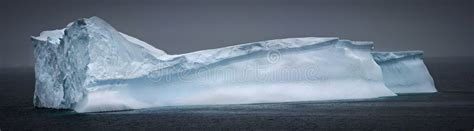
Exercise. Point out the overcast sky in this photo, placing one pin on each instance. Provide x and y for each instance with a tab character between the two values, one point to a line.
439	27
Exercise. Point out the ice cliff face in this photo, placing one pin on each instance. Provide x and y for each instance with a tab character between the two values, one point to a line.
89	67
87	50
405	72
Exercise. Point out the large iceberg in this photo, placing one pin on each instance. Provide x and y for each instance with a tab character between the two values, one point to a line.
89	67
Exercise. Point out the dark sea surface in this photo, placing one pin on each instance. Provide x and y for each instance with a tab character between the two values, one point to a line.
452	108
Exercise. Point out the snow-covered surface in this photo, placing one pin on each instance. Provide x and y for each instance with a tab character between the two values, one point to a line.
405	72
152	50
53	36
90	67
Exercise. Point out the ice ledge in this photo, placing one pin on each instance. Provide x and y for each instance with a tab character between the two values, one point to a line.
381	57
53	36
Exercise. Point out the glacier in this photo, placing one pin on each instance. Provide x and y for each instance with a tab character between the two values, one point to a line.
90	67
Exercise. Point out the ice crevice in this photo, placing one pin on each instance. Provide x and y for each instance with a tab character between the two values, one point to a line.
89	67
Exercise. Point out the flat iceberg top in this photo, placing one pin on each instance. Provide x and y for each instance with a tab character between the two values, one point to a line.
206	57
388	56
213	55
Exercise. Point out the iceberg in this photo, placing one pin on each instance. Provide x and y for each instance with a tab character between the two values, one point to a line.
90	67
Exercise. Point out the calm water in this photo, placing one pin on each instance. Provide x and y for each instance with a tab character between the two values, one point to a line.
450	109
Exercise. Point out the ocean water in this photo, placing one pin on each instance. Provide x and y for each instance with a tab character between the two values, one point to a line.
452	108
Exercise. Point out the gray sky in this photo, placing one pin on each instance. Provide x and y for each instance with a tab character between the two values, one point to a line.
439	27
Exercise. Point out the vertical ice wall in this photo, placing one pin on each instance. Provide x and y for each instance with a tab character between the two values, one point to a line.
87	50
405	72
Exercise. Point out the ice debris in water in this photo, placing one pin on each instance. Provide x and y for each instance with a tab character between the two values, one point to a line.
90	67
